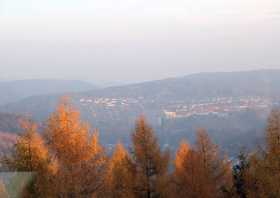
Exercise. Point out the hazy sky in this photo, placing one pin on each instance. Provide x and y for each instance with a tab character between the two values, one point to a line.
134	40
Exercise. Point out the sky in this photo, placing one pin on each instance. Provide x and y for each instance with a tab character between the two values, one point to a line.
136	40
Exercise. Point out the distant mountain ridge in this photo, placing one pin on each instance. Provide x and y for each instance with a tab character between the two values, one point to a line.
202	85
193	87
14	91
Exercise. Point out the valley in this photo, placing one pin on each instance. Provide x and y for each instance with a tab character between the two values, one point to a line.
230	110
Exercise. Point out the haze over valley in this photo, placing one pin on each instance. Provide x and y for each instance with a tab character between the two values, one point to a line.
233	106
139	99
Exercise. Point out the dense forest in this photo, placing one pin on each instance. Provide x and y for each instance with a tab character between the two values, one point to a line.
67	160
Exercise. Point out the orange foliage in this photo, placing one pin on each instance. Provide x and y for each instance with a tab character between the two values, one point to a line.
181	155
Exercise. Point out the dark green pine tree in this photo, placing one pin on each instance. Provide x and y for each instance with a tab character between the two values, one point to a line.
239	175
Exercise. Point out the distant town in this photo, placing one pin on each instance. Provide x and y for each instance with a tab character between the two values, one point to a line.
220	106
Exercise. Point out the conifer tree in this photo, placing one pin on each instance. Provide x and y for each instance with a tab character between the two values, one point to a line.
120	174
240	173
94	171
264	172
185	177
216	174
151	164
273	135
200	171
81	160
271	164
181	155
31	155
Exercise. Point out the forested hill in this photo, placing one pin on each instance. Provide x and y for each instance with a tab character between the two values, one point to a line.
13	91
10	123
202	85
264	83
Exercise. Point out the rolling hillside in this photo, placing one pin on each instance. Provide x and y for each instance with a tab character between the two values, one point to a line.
263	83
14	91
203	85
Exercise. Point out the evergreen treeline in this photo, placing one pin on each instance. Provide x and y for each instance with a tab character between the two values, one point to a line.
67	160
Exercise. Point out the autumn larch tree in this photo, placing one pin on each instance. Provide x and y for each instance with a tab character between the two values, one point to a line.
151	164
81	159
121	174
216	172
264	172
181	155
31	155
272	155
181	179
201	171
